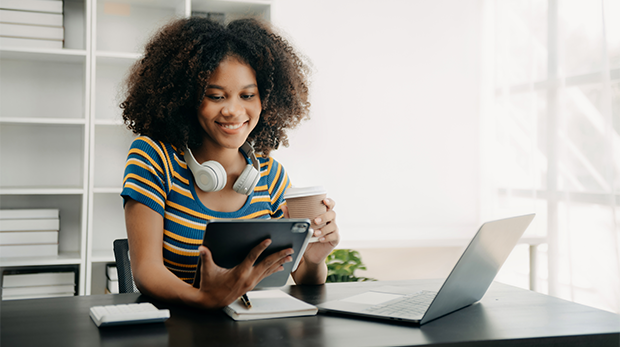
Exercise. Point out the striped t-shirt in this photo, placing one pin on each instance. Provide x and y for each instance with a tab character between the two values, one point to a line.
157	176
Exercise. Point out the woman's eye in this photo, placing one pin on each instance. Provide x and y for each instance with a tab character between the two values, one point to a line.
215	97
247	96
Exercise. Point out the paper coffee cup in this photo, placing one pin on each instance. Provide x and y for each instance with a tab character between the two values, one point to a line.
306	202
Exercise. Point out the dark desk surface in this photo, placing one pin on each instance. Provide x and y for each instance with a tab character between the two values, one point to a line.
506	316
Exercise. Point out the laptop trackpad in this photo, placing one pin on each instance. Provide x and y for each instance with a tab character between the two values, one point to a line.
372	298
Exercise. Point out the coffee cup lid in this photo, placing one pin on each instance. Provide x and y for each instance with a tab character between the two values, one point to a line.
296	192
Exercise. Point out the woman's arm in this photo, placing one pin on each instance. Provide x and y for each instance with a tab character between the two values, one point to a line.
218	286
312	268
145	232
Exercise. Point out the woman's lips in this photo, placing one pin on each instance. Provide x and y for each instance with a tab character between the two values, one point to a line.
231	128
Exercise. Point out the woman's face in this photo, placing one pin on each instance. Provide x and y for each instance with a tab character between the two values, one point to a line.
231	107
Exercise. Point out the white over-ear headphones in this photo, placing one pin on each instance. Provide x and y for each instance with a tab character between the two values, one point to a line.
210	176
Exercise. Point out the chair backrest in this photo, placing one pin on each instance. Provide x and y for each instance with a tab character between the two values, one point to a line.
123	266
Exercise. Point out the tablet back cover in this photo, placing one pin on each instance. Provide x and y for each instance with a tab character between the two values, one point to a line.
230	241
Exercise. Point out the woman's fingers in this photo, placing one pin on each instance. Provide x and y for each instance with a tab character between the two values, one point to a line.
277	259
329	232
285	211
332	236
251	258
267	266
206	260
329	203
324	220
274	262
208	268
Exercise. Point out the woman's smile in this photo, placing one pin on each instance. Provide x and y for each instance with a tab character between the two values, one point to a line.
231	126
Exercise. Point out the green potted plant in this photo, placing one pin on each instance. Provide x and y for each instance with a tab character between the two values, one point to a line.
341	266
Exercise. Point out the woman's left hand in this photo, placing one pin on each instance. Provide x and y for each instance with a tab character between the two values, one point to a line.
328	235
312	268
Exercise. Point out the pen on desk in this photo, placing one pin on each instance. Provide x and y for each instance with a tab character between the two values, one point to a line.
246	301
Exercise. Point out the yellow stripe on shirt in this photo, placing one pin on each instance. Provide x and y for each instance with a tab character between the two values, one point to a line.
145	192
144	181
147	157
182	238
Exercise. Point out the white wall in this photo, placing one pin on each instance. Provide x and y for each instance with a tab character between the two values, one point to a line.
394	128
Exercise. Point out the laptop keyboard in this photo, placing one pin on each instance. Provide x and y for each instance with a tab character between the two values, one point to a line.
409	306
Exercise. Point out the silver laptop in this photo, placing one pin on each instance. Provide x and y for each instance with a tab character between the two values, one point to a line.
467	283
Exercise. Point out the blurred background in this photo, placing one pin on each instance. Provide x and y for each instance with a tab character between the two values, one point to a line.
431	117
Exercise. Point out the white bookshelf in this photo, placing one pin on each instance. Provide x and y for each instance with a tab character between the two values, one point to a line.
44	137
62	141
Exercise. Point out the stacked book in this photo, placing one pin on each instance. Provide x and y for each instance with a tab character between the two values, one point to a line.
31	23
112	279
18	284
29	233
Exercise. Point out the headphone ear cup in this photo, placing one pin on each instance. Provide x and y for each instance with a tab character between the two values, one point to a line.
210	176
247	180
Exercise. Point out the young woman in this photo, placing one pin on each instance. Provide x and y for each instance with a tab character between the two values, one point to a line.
201	91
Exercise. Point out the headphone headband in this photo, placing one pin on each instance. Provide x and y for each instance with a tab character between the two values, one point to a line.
248	150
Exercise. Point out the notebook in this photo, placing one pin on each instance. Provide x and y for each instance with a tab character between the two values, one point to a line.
267	304
467	283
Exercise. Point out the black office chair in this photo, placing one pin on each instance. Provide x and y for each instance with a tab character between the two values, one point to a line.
123	267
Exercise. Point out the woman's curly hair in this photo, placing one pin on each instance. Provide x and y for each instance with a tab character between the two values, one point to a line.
166	87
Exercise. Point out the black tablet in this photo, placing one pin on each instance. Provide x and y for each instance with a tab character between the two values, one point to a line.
230	241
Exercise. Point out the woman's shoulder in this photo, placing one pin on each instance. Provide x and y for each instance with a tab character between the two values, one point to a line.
151	146
274	176
268	163
162	155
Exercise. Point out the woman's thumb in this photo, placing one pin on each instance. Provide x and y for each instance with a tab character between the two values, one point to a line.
205	255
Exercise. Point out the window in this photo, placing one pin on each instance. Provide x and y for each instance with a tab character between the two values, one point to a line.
551	143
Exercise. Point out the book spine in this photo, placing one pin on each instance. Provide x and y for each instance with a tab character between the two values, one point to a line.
31	18
30	214
54	6
38	279
38	290
14	251
113	286
28	237
32	31
29	224
29	43
112	272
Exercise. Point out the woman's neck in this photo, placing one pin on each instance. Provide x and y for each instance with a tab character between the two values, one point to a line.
230	158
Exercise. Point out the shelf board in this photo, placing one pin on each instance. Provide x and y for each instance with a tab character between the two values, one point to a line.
107	190
102	256
232	6
114	122
63	258
151	3
41	54
41	191
28	120
113	58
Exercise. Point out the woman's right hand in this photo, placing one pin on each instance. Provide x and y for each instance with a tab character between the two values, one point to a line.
220	287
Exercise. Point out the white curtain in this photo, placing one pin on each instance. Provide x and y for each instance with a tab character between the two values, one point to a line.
550	137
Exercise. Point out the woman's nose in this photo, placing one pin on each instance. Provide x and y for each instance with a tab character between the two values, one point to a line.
233	108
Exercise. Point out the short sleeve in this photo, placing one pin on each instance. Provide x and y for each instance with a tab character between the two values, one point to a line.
278	183
146	178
